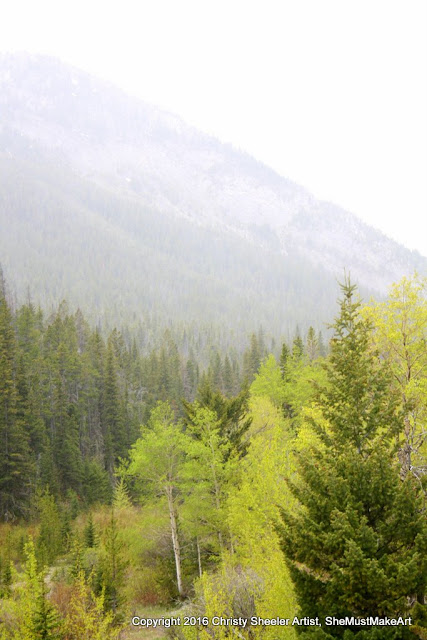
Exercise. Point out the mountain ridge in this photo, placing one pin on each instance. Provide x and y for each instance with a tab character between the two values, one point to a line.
142	158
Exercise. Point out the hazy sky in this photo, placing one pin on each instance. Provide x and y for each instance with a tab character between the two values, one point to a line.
330	93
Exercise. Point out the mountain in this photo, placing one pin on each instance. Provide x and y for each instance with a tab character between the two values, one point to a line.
130	213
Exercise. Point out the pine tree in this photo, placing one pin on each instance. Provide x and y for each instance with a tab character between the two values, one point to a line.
121	498
49	541
45	622
355	546
90	533
231	413
297	347
16	470
311	345
112	570
114	429
284	357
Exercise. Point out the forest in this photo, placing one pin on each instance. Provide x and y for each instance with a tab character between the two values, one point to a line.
215	492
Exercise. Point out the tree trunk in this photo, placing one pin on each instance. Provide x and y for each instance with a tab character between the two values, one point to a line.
199	557
175	541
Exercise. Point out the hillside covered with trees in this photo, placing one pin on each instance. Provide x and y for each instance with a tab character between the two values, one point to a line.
274	487
136	218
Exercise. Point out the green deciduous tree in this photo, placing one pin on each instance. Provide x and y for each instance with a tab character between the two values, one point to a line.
157	459
400	336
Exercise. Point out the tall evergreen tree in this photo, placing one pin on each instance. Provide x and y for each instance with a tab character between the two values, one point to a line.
231	413
284	357
114	428
355	547
15	463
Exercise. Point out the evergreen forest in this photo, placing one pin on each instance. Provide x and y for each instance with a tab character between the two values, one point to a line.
194	489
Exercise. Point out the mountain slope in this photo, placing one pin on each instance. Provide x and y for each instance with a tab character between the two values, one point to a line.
119	206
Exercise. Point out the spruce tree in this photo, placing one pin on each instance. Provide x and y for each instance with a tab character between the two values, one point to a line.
284	357
355	546
45	623
16	470
232	414
115	439
90	533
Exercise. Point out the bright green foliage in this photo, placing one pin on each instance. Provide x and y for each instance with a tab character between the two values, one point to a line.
400	335
50	541
206	474
253	579
34	617
268	382
86	618
157	460
157	456
355	545
301	379
121	498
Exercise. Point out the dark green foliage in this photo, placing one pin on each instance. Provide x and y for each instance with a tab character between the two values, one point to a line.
5	573
90	533
253	356
357	545
15	462
297	347
231	413
284	357
97	483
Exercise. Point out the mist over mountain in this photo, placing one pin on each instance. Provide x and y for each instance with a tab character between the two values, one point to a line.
130	213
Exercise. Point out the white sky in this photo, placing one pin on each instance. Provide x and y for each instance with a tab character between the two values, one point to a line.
330	93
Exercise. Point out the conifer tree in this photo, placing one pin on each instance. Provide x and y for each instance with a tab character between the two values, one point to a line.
49	541
355	547
90	533
45	623
311	345
284	357
15	463
112	570
121	498
231	413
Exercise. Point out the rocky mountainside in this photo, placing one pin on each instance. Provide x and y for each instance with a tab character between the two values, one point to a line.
100	191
